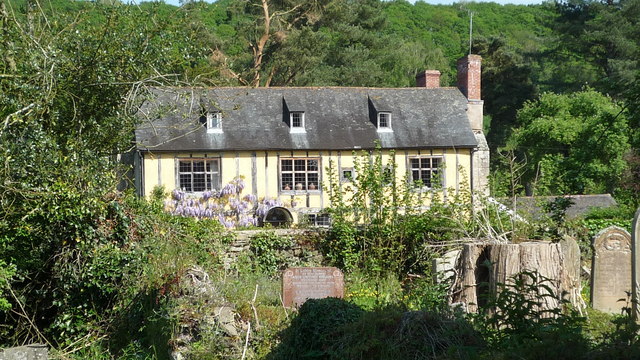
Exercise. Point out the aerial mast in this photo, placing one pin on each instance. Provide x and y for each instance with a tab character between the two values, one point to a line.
470	31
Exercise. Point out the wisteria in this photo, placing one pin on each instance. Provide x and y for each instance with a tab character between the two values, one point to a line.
227	206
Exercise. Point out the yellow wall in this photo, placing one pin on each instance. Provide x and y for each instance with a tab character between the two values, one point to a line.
160	169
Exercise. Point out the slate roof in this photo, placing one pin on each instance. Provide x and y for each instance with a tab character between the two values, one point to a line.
582	204
335	119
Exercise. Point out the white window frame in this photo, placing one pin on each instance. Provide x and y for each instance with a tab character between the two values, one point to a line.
433	167
345	179
319	219
214	121
290	175
387	127
210	175
293	128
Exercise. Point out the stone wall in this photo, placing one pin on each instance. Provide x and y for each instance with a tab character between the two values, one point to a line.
243	241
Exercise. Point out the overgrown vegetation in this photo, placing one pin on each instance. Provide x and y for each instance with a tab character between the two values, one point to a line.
94	272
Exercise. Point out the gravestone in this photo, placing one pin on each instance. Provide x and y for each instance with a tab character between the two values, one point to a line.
302	283
611	270
27	352
635	270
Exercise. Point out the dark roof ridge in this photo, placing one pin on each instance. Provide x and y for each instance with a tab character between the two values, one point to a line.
301	87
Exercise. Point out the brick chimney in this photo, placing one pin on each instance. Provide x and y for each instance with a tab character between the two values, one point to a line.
429	79
469	71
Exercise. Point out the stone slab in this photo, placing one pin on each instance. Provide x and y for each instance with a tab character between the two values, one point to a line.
635	269
28	352
302	283
611	270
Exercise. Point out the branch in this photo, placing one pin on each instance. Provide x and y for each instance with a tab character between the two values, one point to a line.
6	120
259	49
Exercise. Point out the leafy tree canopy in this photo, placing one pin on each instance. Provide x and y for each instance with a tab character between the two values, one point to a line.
572	143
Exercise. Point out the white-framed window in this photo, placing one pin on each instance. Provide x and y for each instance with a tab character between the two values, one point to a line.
323	220
384	122
214	121
347	174
296	122
300	174
196	175
425	170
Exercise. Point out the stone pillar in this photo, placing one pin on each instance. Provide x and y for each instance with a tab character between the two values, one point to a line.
635	270
480	158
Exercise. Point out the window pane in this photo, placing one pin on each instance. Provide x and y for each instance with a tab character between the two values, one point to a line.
435	163
300	165
415	175
212	166
198	166
287	182
435	177
185	166
313	180
199	182
312	165
185	182
383	120
415	163
287	165
296	119
301	181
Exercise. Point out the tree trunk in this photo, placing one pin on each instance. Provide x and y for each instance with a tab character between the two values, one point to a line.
483	266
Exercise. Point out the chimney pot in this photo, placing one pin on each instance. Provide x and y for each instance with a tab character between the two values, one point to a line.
429	79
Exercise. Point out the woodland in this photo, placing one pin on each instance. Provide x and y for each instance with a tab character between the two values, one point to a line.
91	270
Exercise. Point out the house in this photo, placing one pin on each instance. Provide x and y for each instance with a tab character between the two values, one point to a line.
281	140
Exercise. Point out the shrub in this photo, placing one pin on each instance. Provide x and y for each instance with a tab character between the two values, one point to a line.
515	322
314	329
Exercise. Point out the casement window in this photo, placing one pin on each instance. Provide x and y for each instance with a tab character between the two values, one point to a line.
384	122
296	122
214	122
323	220
425	170
196	175
300	174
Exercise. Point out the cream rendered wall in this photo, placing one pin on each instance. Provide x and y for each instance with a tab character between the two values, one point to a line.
260	170
159	170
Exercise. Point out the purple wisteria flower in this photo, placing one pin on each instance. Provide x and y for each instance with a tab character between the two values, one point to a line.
178	194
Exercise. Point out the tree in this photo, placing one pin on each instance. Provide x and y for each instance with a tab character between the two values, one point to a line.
573	143
506	85
67	86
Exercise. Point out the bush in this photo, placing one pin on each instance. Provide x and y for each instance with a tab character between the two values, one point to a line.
315	328
516	325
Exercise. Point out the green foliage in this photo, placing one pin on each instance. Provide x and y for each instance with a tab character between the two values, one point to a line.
7	272
334	329
317	323
515	321
378	222
572	143
269	253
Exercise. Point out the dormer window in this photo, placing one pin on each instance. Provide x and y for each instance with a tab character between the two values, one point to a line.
214	122
296	121
384	122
